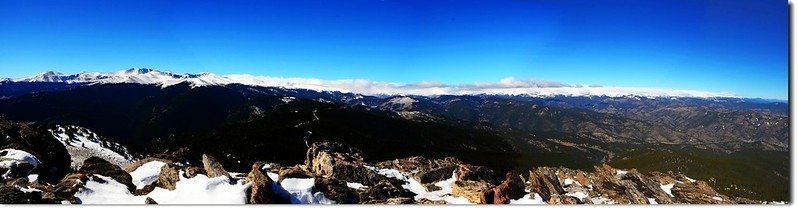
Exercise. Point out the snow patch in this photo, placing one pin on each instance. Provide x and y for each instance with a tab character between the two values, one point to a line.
146	174
301	188
355	185
529	199
33	178
667	188
652	201
391	173
567	182
621	172
196	190
27	189
445	192
273	176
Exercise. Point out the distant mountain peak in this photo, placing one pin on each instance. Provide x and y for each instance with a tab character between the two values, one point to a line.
507	86
138	70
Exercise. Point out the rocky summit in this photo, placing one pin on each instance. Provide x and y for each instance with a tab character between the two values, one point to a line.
335	174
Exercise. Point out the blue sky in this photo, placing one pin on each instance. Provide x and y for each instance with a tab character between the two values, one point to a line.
737	46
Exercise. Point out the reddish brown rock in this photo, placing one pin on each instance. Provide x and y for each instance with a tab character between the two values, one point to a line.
544	181
511	189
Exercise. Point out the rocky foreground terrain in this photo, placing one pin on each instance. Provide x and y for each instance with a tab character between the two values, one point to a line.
334	174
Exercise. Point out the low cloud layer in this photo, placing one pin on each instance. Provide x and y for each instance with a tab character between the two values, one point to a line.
509	86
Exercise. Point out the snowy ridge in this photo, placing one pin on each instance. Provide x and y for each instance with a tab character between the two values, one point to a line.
82	143
506	86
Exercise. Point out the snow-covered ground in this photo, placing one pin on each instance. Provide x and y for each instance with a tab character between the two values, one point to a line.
196	190
301	189
529	199
84	144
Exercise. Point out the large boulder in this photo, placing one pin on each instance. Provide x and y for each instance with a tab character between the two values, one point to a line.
65	189
168	177
329	159
435	175
474	191
336	190
261	191
384	191
323	157
96	165
149	200
511	189
648	186
213	168
607	181
544	181
698	192
467	172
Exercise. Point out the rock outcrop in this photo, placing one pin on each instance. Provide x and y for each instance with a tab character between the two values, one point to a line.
511	189
297	171
261	192
544	181
96	165
149	200
213	168
467	172
168	177
335	161
610	185
474	191
336	190
55	162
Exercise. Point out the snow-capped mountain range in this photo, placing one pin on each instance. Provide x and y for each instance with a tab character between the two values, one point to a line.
506	86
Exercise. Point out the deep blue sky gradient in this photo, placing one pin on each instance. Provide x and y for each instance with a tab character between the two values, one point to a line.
737	46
